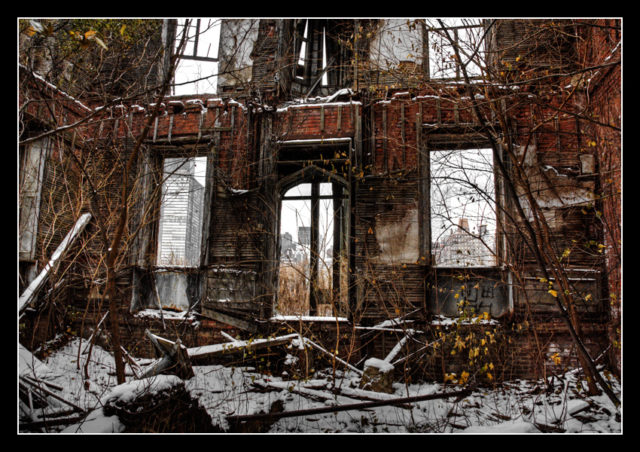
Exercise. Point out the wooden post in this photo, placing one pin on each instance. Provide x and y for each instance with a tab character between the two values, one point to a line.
337	244
313	254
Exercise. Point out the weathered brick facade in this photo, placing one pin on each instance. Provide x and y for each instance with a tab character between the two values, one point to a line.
378	149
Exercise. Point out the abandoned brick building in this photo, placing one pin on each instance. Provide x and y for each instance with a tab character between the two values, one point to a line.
314	110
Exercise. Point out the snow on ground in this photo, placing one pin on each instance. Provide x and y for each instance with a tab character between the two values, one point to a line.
514	407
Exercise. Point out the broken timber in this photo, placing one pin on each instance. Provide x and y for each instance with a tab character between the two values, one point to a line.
174	356
30	292
234	421
218	350
39	387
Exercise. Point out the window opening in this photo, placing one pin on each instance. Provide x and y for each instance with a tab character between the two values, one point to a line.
325	74
303	52
198	64
181	212
466	35
463	217
312	275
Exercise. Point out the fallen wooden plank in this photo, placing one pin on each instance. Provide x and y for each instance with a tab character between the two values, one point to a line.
319	348
217	350
237	419
392	354
39	381
321	396
229	320
51	422
363	394
51	394
32	290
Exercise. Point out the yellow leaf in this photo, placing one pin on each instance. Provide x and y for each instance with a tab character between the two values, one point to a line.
89	34
553	293
122	29
101	44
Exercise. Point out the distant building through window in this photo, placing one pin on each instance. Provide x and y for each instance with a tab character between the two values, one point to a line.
463	217
180	228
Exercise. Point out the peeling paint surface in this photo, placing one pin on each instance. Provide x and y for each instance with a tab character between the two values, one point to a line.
398	240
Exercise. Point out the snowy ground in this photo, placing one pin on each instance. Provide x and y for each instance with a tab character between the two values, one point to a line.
514	407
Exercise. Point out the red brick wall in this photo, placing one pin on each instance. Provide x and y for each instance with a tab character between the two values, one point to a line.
601	49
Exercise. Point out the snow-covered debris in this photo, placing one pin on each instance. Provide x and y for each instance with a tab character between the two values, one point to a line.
377	376
167	314
380	364
520	406
97	422
216	349
29	365
131	390
504	427
306	318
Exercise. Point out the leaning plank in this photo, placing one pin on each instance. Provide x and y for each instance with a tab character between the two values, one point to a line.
32	290
319	348
237	419
216	350
392	354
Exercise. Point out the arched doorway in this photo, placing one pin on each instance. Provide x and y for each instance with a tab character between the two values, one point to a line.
313	244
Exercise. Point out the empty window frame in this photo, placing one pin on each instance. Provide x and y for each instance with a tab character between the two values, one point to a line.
181	212
396	42
302	54
313	45
463	208
466	35
198	64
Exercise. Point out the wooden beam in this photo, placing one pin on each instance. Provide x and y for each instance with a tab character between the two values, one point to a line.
225	349
229	320
36	285
313	255
235	420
